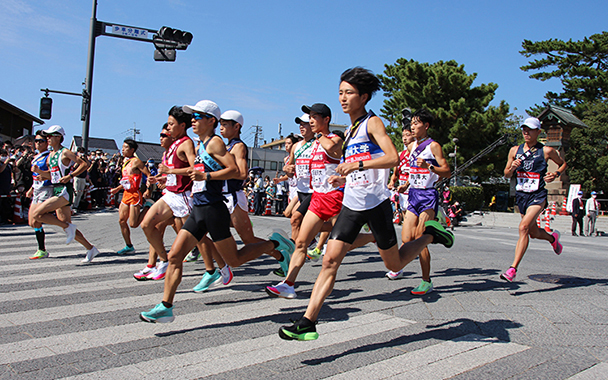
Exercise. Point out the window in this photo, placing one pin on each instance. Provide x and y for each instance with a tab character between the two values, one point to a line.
255	163
273	165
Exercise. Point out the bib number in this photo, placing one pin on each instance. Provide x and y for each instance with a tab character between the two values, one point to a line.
527	182
419	178
302	167
171	178
55	175
126	184
199	186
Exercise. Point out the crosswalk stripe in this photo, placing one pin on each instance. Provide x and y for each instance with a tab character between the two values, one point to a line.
596	372
216	360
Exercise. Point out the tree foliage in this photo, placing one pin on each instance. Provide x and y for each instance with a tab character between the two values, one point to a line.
582	67
587	157
461	109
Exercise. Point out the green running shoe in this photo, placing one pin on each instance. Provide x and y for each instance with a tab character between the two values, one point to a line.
40	254
440	234
158	314
314	254
192	256
208	281
126	250
302	330
425	287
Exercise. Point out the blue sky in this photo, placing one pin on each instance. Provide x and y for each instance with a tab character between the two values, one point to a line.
265	58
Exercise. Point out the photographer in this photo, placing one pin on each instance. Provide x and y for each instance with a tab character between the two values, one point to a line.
5	187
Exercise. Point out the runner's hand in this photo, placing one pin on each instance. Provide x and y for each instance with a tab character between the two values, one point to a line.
336	180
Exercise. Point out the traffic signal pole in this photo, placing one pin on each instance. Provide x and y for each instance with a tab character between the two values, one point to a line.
88	87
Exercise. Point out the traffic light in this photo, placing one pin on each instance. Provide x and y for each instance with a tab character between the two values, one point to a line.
181	37
46	106
164	55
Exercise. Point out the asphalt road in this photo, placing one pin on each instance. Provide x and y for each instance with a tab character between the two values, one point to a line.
62	319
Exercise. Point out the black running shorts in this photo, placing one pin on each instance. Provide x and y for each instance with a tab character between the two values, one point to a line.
304	199
379	219
213	218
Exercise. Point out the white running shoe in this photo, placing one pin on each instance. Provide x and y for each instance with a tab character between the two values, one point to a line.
394	275
159	271
70	231
226	273
141	275
281	290
91	253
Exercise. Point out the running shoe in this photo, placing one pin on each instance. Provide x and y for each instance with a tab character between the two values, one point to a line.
365	227
313	243
440	235
281	290
192	255
509	275
149	203
208	281
394	275
557	246
70	231
40	254
314	255
425	287
279	272
226	273
91	253
159	272
141	275
302	330
285	243
158	314
126	250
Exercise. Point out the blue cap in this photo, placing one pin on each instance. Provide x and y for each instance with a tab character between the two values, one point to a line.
593	193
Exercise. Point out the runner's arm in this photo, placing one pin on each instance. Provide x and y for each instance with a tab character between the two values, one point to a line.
217	149
512	163
551	154
240	156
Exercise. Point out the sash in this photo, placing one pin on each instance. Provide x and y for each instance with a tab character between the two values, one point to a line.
414	155
303	148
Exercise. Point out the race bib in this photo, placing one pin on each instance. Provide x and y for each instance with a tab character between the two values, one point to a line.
528	182
55	174
126	184
302	167
360	178
37	184
317	170
199	186
171	178
419	178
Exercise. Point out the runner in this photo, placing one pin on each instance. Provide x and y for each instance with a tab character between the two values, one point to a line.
231	123
368	155
298	166
165	141
130	211
176	203
326	201
400	183
59	163
426	166
528	162
40	191
292	198
210	215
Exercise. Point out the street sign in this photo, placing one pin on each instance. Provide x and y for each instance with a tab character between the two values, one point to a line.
129	31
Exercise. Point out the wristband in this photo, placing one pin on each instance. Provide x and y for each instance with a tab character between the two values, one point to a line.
361	166
557	173
208	177
318	135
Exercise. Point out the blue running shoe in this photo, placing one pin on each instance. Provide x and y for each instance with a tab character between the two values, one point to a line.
158	314
208	281
286	247
126	250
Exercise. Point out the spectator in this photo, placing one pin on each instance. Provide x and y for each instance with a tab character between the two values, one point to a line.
5	186
446	195
270	191
152	168
280	203
80	181
591	208
578	211
258	195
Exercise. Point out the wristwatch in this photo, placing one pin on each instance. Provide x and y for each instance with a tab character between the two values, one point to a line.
431	167
361	166
318	135
557	173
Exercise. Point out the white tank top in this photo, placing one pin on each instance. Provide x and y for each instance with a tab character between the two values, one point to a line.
303	154
292	182
365	189
422	178
322	166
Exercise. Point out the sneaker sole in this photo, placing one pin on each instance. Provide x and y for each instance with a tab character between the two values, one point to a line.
393	278
286	335
506	278
441	232
157	320
211	285
275	295
418	293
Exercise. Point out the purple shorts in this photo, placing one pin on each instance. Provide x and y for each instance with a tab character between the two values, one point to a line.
421	200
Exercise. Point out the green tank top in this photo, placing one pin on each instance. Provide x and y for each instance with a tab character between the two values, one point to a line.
57	168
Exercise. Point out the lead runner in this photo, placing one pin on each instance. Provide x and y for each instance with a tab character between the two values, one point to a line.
368	155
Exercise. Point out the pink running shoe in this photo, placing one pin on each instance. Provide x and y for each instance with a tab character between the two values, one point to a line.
509	275
226	273
141	275
159	272
557	246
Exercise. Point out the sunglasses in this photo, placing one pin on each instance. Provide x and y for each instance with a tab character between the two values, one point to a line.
164	135
40	141
199	116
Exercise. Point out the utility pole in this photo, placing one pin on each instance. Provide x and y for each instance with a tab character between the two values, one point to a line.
257	136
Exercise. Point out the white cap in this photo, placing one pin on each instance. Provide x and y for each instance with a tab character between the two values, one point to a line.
305	118
204	106
532	123
234	116
54	129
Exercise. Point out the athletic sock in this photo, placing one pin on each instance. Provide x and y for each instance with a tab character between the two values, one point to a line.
305	322
40	238
211	272
290	283
276	243
282	257
130	245
151	266
167	305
